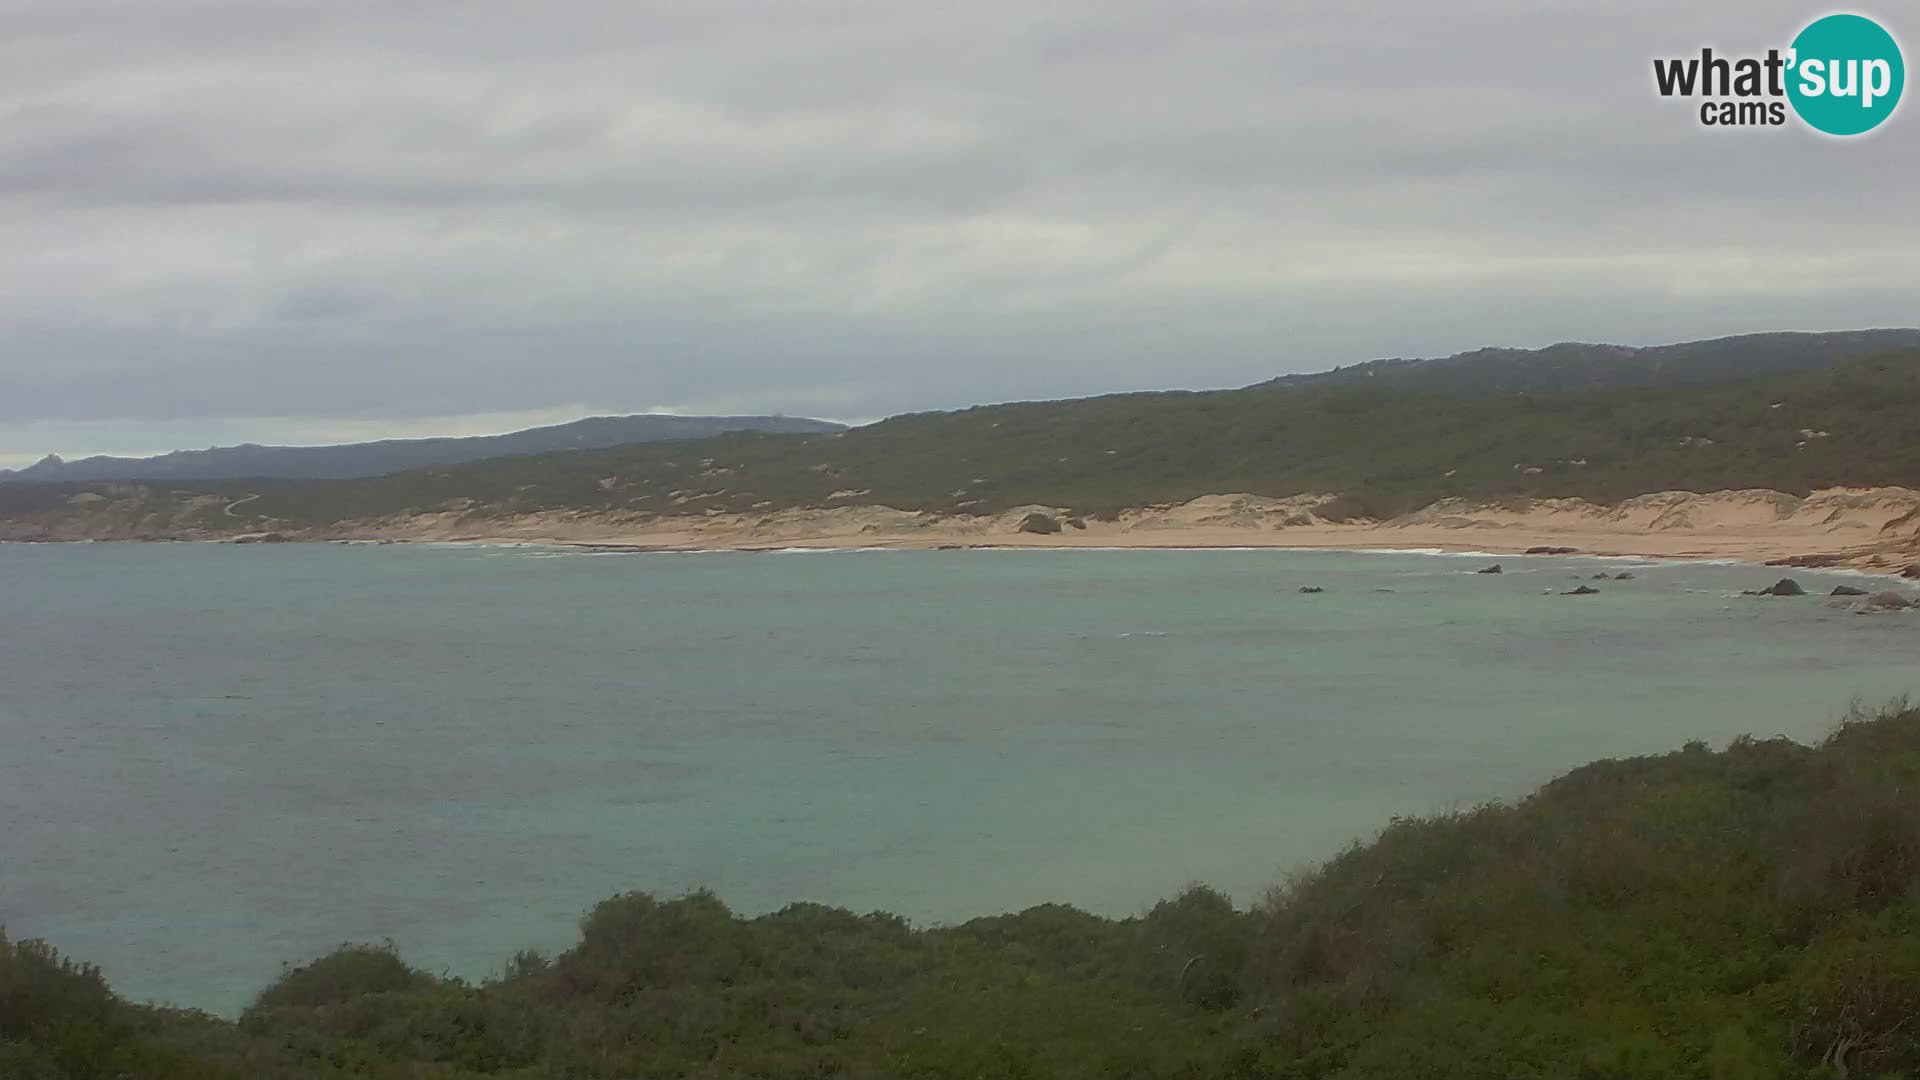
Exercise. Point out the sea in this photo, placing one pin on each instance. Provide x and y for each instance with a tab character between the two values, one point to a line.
219	760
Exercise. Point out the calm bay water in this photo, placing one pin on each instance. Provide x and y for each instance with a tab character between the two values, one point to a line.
215	759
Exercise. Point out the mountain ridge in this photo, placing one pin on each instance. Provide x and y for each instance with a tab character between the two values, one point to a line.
1492	371
1577	366
352	461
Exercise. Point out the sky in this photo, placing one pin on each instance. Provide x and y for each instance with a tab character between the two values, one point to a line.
270	221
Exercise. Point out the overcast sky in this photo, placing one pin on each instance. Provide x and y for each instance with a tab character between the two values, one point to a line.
258	220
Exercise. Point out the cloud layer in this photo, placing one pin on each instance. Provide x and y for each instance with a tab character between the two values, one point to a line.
231	218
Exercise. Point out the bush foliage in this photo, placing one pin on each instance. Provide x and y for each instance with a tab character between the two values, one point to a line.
1751	913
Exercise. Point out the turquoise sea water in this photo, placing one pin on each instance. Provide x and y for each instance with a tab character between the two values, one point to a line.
214	759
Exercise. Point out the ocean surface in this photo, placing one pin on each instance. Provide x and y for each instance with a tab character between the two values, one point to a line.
215	759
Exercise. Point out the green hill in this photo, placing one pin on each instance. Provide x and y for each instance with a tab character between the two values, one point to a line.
1575	367
1748	913
1390	450
393	455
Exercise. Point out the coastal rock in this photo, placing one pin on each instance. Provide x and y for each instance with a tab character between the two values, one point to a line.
1548	550
1888	601
1583	590
1040	524
1808	561
1624	575
1076	523
1603	576
1494	569
1786	586
1847	590
1311	589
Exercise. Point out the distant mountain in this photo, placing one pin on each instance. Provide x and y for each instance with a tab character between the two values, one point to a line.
1572	367
1384	449
356	460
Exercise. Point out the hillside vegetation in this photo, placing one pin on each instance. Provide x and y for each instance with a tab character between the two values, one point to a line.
1750	913
1575	367
394	455
1389	450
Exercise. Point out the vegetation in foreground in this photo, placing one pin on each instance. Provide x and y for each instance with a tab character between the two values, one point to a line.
1748	913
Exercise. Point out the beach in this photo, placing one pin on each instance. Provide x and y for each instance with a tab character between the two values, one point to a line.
1868	528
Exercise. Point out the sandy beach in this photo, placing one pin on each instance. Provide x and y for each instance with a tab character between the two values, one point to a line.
1866	528
1875	528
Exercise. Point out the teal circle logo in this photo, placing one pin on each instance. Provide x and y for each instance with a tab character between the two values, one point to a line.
1845	75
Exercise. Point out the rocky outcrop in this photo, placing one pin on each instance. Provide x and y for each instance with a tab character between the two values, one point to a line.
1786	586
1582	590
1847	590
1038	523
1494	569
1810	562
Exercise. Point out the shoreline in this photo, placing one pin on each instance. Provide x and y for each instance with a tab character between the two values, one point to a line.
1854	566
1871	529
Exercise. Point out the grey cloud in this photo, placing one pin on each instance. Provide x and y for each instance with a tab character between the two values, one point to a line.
361	211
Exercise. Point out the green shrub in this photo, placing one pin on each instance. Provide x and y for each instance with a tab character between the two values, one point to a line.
1749	913
346	973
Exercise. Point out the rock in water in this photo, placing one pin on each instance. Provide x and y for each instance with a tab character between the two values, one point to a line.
1494	569
1311	589
1847	590
1584	590
1624	575
1888	601
1786	586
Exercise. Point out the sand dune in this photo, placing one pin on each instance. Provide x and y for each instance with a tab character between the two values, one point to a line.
1864	527
1872	527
